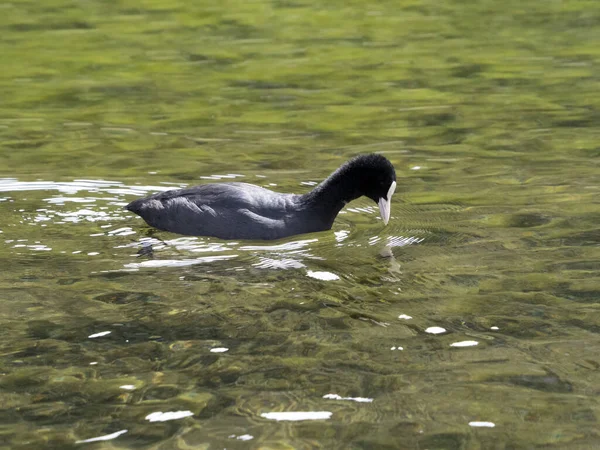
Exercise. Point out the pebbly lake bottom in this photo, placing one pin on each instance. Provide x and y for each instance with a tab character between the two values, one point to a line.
471	321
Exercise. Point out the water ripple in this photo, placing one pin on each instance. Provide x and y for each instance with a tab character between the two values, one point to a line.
97	205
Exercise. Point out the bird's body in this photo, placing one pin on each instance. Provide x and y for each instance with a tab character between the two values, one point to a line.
250	212
246	211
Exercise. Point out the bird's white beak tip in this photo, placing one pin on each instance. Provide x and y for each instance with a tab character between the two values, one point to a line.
385	204
384	210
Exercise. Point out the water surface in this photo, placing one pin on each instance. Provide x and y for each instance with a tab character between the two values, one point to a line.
470	321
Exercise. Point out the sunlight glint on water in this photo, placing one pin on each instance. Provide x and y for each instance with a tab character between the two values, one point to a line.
488	111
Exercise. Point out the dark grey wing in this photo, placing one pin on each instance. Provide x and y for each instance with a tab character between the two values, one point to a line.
229	195
224	210
175	213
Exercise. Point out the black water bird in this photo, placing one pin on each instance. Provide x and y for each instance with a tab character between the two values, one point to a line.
246	211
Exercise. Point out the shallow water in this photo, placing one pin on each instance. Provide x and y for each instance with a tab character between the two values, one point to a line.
470	321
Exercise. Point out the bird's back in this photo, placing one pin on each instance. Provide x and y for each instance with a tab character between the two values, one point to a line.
224	210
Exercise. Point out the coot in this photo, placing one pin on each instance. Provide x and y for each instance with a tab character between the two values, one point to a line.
246	211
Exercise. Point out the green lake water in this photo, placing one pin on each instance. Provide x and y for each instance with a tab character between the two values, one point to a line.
490	112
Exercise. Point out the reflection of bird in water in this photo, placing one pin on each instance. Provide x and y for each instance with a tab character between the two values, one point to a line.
146	249
386	252
394	267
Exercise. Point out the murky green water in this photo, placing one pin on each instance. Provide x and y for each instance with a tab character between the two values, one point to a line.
489	111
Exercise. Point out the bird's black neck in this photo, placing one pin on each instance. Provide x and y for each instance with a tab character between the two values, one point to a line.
332	194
